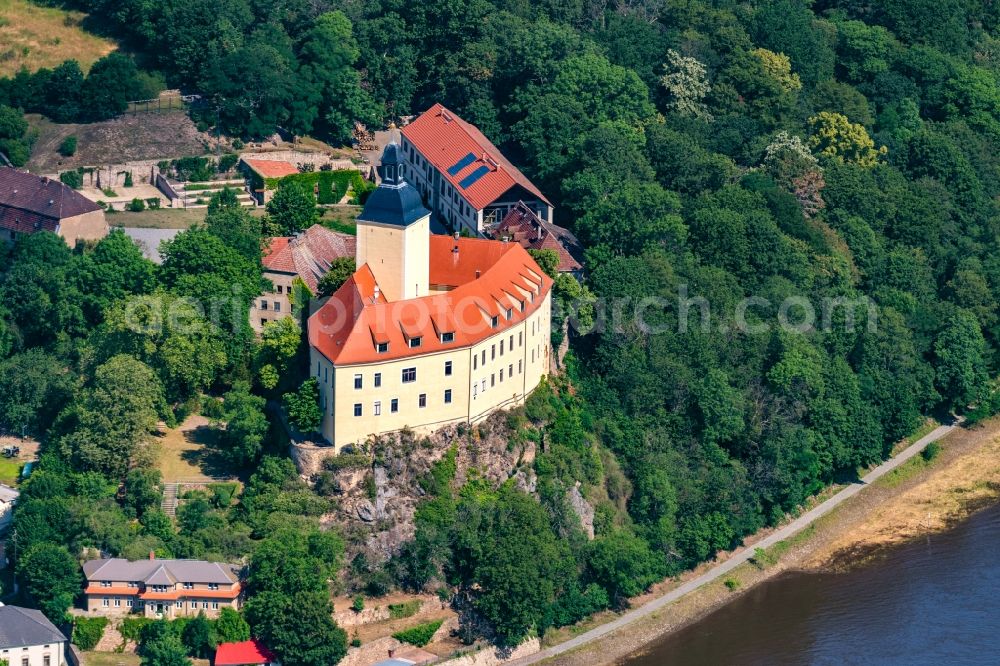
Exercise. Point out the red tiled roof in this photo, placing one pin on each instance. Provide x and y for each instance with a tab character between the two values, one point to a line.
243	654
272	168
484	277
445	139
309	254
30	203
529	231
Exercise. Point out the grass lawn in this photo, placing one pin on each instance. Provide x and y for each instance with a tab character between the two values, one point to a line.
10	469
162	218
33	36
186	454
110	659
341	218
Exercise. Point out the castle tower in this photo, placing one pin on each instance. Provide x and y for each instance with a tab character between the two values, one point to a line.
394	233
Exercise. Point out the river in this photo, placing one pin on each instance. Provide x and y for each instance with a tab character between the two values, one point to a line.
929	602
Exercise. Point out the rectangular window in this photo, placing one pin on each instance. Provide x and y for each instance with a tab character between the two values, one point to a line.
494	321
532	355
213	586
447	396
484	357
357	381
382	347
215	605
511	340
378	379
394	405
128	602
447	337
447	368
263	321
475	361
493	380
105	583
279	288
105	602
179	604
501	375
277	306
474	387
519	370
263	305
414	342
510	313
326	375
118	602
501	347
422	400
188	586
204	604
510	370
409	375
357	409
378	408
493	352
522	305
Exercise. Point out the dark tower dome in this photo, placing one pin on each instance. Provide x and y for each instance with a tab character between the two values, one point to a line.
394	201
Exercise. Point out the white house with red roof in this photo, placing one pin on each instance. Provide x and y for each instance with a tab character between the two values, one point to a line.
306	256
464	178
430	329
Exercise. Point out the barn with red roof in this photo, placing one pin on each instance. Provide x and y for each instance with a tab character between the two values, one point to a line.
465	179
244	653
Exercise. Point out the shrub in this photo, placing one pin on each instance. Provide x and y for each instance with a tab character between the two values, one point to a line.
227	162
68	146
73	179
359	604
731	584
355	642
137	205
931	451
346	461
153	203
223	493
238	144
128	179
131	627
419	635
87	631
405	609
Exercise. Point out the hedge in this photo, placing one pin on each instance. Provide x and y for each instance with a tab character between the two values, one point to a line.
405	609
330	186
87	631
419	635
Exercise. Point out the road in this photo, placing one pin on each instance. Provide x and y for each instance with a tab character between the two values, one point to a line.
740	556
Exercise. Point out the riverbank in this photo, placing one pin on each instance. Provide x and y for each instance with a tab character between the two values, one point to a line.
915	498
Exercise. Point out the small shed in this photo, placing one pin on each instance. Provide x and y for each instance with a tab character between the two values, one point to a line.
263	175
245	653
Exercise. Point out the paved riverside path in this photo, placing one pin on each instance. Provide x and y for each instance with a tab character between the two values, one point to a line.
740	556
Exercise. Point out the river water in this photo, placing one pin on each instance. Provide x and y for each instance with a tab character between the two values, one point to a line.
936	601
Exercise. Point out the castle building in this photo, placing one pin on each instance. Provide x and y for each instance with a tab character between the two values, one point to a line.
431	329
464	178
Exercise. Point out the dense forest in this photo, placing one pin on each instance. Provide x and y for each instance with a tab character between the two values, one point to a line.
722	150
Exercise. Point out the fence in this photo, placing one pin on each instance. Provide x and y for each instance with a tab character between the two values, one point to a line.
168	100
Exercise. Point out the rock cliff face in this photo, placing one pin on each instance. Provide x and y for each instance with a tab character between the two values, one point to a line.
378	501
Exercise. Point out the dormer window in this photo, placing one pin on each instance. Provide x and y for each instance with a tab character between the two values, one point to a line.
447	337
381	347
494	321
415	342
510	313
522	305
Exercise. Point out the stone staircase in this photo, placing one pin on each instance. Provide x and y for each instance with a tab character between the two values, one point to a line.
169	503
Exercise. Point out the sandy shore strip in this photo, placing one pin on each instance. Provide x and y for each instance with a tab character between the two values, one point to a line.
916	498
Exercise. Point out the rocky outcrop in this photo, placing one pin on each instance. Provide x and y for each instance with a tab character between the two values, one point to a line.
582	508
379	500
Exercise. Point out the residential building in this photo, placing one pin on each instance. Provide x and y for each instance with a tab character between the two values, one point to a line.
262	177
245	653
160	588
522	226
307	256
430	329
465	179
27	638
30	203
8	497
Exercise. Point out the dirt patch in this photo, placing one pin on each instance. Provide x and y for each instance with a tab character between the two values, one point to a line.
128	138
